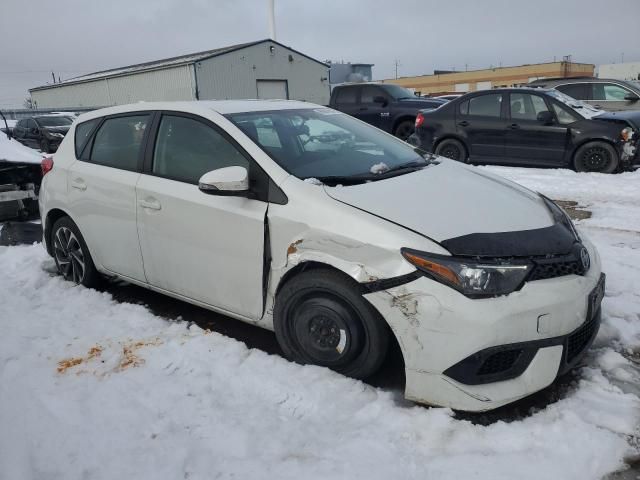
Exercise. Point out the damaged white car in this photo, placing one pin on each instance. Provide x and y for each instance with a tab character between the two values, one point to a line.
337	236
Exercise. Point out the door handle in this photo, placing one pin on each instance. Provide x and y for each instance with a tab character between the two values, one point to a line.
463	123
79	184
514	126
150	203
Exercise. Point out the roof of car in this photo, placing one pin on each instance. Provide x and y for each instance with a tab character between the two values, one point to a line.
222	107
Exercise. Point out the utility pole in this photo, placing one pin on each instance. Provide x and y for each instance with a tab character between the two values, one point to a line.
397	64
54	77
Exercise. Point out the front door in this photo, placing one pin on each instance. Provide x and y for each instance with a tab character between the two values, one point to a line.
205	247
272	89
528	140
370	111
102	194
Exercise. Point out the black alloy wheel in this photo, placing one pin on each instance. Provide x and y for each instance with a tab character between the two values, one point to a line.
405	129
71	254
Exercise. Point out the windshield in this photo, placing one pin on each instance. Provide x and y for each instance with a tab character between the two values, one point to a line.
581	108
54	121
325	144
398	92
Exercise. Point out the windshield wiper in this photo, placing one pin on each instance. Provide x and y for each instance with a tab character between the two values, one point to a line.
401	169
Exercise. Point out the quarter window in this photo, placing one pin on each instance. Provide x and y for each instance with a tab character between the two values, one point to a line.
565	117
186	149
117	143
82	133
485	105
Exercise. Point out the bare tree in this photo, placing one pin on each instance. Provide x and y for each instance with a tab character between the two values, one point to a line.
28	103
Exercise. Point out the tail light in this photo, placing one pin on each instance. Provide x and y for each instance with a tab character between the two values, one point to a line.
47	165
419	120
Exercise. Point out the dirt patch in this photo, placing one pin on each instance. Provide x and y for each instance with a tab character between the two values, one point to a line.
575	211
67	363
129	356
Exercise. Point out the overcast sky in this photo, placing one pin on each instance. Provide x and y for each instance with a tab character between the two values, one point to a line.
74	37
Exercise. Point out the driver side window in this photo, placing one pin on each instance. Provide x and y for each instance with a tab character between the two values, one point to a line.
187	148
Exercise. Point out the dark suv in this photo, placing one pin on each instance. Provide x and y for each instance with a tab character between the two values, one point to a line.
603	93
42	132
530	127
389	107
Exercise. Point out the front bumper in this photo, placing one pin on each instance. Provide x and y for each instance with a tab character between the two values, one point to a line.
439	329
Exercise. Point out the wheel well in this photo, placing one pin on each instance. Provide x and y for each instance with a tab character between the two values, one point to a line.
452	137
572	160
304	267
400	120
53	216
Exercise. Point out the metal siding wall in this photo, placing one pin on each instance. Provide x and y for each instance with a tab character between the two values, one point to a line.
160	85
90	94
233	75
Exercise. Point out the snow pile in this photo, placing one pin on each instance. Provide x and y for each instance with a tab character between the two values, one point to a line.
379	168
14	151
92	388
313	181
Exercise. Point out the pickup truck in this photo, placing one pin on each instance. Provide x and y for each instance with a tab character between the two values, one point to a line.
389	107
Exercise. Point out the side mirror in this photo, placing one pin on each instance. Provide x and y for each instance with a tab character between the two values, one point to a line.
380	99
631	97
545	117
229	181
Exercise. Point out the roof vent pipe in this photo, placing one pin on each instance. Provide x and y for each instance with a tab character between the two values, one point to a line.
272	20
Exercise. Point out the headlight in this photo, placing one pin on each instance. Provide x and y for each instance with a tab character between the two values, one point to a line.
472	277
626	134
57	135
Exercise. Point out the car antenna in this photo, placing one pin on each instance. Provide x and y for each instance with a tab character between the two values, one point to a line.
7	130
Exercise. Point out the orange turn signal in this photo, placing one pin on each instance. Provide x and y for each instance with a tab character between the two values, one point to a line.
433	267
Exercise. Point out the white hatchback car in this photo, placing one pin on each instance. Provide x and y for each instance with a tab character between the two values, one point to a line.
336	235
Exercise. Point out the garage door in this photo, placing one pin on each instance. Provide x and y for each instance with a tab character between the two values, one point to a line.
272	89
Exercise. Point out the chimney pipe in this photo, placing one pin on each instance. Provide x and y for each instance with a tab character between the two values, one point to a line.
272	20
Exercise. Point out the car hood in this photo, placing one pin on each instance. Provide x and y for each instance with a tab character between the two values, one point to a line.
449	200
629	116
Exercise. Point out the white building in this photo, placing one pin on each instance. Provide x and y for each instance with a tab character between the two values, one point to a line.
620	71
262	69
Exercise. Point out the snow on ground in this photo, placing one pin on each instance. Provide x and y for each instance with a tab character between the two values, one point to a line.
92	388
14	151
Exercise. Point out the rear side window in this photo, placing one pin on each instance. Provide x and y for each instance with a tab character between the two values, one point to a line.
346	95
117	143
186	149
486	105
82	134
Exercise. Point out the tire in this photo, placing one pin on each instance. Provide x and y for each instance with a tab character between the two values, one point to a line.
44	146
596	157
71	254
453	149
405	129
321	318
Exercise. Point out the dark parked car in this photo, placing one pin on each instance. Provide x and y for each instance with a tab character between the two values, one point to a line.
532	127
43	132
604	93
389	107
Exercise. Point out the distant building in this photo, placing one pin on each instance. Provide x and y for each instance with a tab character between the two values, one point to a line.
620	71
349	72
262	69
469	81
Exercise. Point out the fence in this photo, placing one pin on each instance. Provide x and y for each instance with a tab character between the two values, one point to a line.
19	114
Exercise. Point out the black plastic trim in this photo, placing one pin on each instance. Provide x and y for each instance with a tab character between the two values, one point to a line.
387	283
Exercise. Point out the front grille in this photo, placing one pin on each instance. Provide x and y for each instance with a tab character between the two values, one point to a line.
499	362
557	268
578	341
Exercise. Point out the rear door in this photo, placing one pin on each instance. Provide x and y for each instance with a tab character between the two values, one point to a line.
32	134
345	99
102	195
482	123
611	96
208	248
528	140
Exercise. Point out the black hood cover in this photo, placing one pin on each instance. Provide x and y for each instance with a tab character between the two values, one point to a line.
554	240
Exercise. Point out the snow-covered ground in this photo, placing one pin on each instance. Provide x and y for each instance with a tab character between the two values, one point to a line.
93	388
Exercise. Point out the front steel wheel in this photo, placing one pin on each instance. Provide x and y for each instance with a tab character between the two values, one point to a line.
596	157
453	149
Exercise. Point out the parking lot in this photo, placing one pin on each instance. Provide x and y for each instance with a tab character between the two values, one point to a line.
125	357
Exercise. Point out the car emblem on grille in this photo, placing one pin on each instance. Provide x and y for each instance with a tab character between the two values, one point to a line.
584	258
